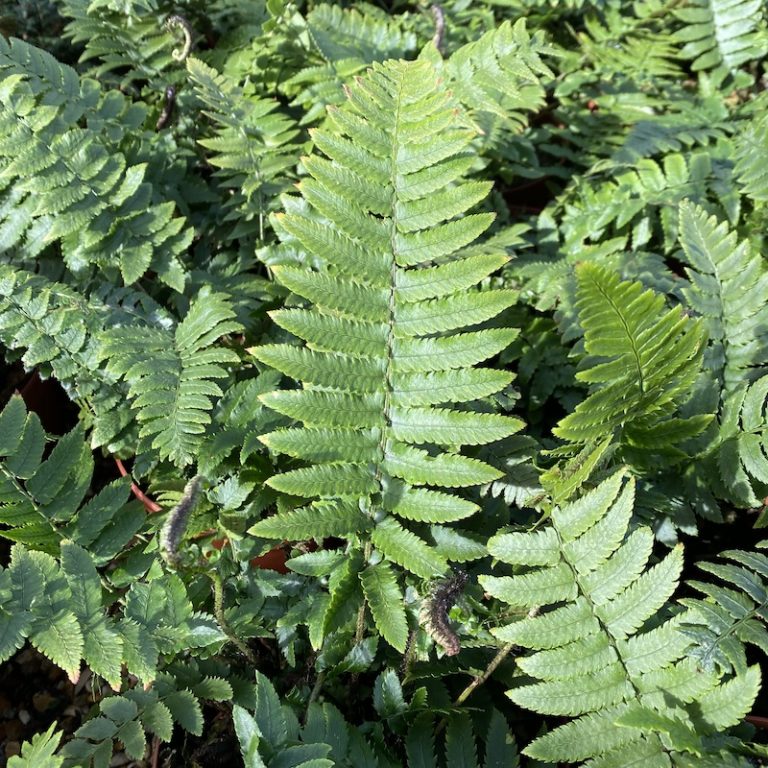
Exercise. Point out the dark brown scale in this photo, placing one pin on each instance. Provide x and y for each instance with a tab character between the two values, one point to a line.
167	113
434	612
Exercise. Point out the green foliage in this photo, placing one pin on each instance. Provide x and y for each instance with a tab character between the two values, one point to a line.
721	35
39	754
41	499
380	382
598	621
732	612
71	184
252	147
727	283
286	259
172	376
643	359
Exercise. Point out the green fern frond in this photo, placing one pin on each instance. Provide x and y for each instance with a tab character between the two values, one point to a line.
253	145
721	35
668	134
128	38
603	651
59	608
634	200
732	613
740	452
55	330
343	42
387	350
172	376
501	73
41	499
750	145
132	716
620	44
643	361
728	285
62	182
39	753
343	33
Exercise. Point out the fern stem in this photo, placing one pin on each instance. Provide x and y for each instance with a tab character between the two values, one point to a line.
218	611
360	629
504	651
316	688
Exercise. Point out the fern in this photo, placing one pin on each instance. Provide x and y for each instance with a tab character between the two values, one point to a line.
55	329
381	343
727	286
721	35
129	717
500	73
602	652
749	148
731	614
252	147
643	361
343	41
41	500
58	605
40	752
270	735
742	464
69	183
127	38
172	393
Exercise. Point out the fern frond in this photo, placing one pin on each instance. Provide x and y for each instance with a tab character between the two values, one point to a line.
55	329
635	199
732	612
750	145
59	608
41	499
721	35
643	360
386	336
343	42
252	147
127	38
501	73
66	183
172	376
39	753
728	284
603	651
740	452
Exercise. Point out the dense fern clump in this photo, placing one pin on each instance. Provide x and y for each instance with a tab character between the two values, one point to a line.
417	356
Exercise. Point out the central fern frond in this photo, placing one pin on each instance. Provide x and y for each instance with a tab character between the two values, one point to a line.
388	350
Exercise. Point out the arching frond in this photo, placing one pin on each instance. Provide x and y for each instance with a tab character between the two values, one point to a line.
750	146
604	652
643	361
721	35
252	146
126	41
389	346
728	287
741	455
732	612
